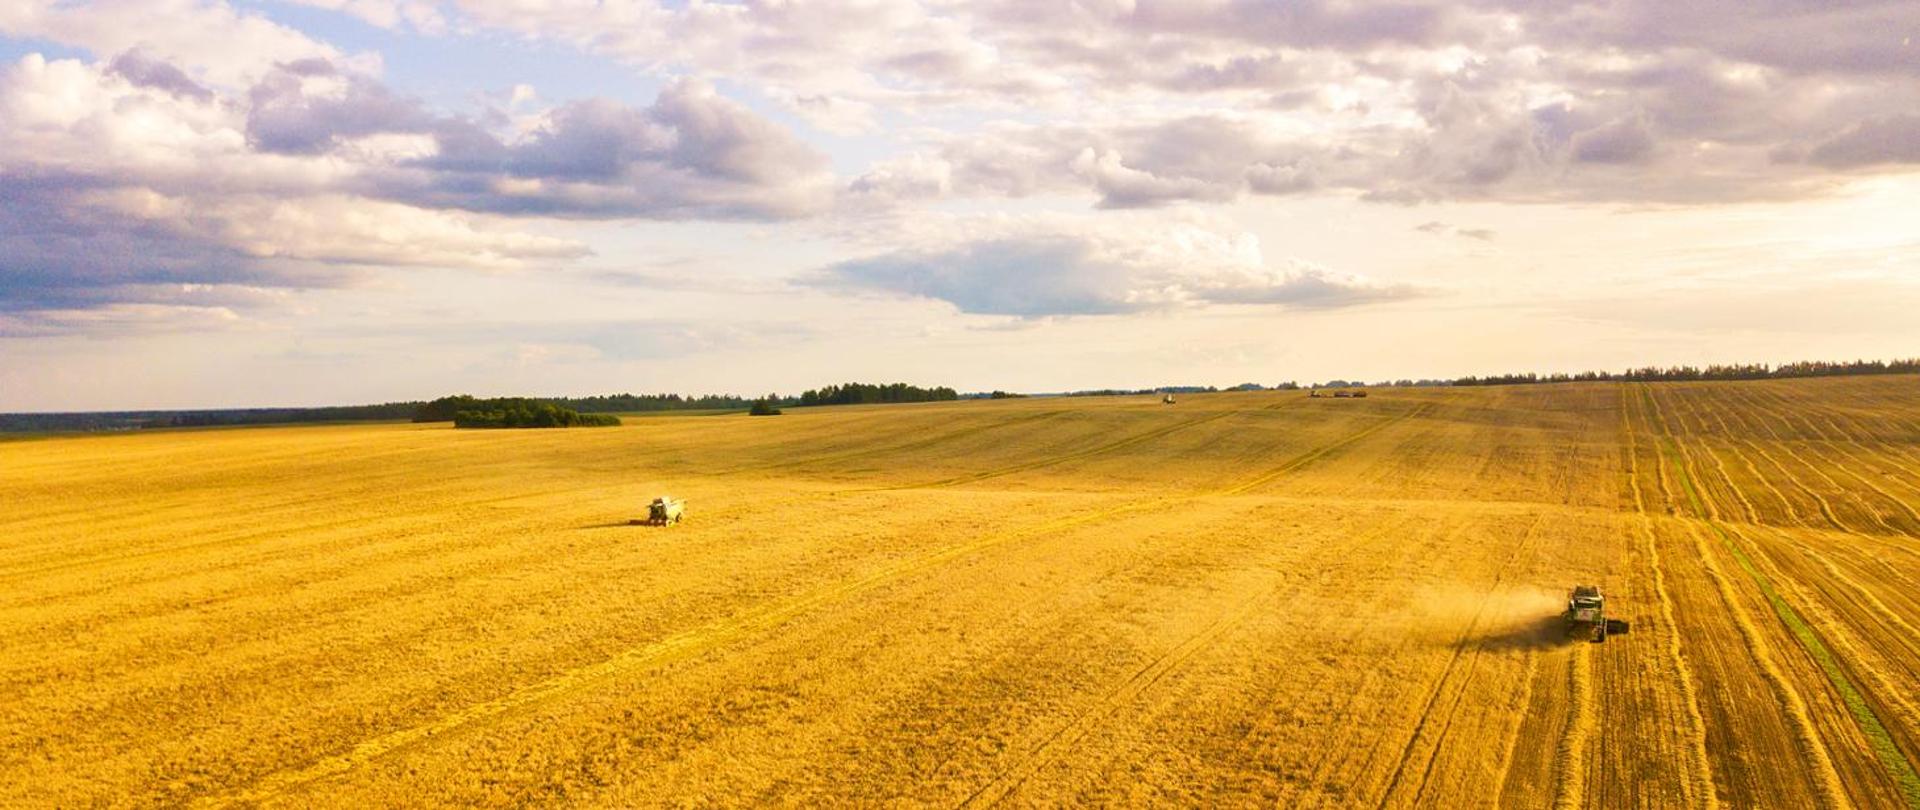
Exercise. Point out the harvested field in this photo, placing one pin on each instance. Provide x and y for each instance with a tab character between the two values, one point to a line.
1250	598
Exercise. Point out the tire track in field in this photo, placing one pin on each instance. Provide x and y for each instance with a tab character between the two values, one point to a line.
1460	647
1757	421
1322	452
1826	506
1866	721
1827	781
1128	690
917	444
1115	698
1787	447
697	641
1136	439
1787	411
1786	505
1719	465
1452	537
1907	476
1820	501
1847	456
1702	783
1885	611
1118	696
1572	749
1836	629
1512	743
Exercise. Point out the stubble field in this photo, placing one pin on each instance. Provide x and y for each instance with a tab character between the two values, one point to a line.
1248	598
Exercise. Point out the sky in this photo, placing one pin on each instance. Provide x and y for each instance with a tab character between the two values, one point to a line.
213	203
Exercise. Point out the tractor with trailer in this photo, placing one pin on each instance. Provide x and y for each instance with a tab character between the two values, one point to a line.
1587	613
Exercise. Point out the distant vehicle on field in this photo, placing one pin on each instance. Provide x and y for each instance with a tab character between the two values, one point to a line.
664	511
1587	613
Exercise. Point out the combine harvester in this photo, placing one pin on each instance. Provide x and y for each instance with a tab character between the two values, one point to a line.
1587	613
664	511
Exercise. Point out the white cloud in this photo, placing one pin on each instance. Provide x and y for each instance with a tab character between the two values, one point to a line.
127	183
210	39
1399	101
421	15
1055	267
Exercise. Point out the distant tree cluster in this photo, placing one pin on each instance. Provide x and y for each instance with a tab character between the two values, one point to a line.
764	407
868	394
513	412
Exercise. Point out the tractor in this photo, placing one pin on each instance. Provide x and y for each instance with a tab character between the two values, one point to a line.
1587	613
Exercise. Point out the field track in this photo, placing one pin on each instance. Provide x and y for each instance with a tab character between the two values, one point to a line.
1245	598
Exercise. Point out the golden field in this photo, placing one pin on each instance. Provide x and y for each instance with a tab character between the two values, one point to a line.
1247	598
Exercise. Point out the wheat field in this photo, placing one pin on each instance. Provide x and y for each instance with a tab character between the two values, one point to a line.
1245	598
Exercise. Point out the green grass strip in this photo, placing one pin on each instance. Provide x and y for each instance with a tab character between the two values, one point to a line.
1863	715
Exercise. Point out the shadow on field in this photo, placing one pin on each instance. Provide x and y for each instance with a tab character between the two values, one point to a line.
614	525
1541	633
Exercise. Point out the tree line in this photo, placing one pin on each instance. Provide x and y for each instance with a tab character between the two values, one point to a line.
1737	371
141	420
445	409
508	412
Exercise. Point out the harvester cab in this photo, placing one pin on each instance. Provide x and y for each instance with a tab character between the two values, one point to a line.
1587	613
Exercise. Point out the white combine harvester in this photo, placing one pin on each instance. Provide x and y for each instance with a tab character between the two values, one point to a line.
664	511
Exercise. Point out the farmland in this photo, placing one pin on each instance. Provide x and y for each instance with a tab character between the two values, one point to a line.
1244	598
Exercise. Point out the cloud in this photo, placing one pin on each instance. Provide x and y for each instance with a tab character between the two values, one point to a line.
310	107
1123	186
691	155
1625	141
132	190
73	247
1442	228
117	319
208	40
142	70
125	175
1308	24
1875	141
421	15
1405	102
1043	272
